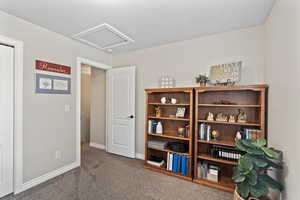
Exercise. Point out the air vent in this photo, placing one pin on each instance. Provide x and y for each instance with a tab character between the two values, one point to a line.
104	37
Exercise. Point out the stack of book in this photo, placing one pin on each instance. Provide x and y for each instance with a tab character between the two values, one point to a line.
205	132
157	144
206	171
227	153
178	163
250	133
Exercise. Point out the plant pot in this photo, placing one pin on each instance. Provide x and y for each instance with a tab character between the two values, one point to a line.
202	84
236	196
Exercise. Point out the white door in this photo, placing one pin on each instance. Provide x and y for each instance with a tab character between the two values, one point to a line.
121	111
6	119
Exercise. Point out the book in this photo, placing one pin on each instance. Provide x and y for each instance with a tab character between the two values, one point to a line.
171	162
187	165
183	165
168	161
179	158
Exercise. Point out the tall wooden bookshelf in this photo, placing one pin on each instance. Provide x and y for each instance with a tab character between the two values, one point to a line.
249	99
171	123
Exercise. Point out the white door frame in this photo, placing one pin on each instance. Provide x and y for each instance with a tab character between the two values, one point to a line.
18	110
81	61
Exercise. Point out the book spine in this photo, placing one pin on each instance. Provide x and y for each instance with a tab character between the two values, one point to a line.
208	137
168	161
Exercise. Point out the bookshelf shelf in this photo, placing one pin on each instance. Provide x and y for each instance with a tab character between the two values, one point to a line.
185	99
169	118
224	183
207	157
249	99
167	150
231	123
167	135
170	173
231	105
219	142
169	104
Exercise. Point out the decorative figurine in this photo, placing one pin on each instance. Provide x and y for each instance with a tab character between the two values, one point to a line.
238	136
231	118
210	117
173	101
157	111
181	131
221	117
163	100
215	134
242	117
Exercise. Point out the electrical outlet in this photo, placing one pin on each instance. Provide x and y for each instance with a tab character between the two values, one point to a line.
57	154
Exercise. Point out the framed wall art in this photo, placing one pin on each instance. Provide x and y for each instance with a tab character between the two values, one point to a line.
48	84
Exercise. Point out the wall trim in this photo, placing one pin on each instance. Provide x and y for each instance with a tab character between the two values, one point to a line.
18	108
36	181
98	146
140	156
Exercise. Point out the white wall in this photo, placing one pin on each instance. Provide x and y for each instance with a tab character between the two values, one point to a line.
98	106
184	60
282	74
44	117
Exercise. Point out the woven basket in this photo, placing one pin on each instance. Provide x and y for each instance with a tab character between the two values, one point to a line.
236	196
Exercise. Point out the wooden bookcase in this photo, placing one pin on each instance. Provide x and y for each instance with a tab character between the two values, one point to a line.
251	100
171	124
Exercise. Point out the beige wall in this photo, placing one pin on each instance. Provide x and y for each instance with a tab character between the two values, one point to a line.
282	74
184	60
98	89
44	117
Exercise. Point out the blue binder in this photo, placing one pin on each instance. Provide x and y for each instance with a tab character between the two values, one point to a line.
183	165
187	165
179	158
175	160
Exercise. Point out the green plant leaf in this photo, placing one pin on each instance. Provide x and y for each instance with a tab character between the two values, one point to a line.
278	165
258	161
238	177
248	143
259	142
245	164
243	189
255	151
239	145
252	177
259	190
270	153
267	180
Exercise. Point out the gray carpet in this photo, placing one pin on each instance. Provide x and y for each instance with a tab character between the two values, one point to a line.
105	176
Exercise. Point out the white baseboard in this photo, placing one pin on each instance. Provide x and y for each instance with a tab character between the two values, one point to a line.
140	156
98	146
48	176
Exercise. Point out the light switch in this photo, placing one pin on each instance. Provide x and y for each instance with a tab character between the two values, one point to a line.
67	108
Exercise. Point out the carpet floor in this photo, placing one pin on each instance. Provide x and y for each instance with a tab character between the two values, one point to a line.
105	176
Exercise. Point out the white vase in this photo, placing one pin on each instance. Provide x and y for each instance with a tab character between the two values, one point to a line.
159	128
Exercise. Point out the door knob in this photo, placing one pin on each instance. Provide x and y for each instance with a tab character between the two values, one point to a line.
131	116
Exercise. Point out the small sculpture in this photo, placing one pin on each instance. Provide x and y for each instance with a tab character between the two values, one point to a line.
173	101
231	118
215	134
221	117
210	117
242	117
163	100
157	111
238	136
181	131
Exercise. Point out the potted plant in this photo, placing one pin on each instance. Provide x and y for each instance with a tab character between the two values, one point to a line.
202	80
251	174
